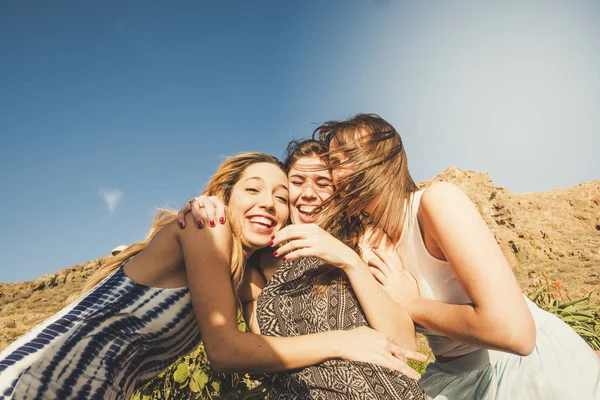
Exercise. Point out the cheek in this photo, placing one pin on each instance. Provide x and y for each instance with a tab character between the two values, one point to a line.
283	213
294	194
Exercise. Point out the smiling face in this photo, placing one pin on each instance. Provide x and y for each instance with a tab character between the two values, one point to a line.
310	184
259	202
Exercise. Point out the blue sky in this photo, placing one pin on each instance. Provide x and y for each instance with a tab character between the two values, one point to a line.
109	110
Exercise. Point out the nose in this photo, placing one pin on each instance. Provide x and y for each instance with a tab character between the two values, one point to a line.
308	193
266	201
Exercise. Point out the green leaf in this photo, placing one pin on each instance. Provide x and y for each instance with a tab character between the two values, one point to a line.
216	385
201	379
181	373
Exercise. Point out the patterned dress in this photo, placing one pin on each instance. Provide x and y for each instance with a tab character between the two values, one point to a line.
110	341
288	306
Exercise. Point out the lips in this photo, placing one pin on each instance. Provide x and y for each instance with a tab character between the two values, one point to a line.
262	223
307	213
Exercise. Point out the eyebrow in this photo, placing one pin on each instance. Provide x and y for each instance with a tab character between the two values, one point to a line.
262	180
321	174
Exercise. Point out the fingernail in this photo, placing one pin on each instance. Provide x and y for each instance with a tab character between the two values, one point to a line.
271	243
222	220
275	253
283	258
273	237
212	223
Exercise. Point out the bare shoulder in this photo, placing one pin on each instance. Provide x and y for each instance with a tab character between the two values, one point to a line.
443	197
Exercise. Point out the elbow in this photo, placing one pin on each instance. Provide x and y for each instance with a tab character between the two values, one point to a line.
220	357
220	362
518	339
524	343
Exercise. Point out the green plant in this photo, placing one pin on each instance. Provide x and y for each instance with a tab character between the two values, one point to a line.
580	314
192	377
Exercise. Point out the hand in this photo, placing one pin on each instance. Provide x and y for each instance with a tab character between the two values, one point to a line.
387	268
367	345
205	209
305	240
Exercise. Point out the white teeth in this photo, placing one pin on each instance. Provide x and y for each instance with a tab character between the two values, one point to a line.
307	209
262	221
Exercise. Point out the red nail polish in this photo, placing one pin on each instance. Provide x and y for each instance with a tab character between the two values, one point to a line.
283	258
212	223
273	237
222	220
271	243
275	253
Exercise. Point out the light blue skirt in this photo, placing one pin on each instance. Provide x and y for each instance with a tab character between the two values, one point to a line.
562	367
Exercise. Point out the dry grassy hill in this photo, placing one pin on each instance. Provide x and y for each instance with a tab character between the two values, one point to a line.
556	232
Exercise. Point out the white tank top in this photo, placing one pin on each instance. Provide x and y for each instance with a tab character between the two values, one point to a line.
435	278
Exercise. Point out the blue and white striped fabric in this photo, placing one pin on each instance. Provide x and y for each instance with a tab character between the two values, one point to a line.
110	341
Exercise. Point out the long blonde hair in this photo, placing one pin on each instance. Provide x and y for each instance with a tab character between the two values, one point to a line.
220	185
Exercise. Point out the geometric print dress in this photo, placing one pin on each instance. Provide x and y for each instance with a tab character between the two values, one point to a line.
289	306
104	345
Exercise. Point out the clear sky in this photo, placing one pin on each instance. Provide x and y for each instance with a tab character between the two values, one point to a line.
110	109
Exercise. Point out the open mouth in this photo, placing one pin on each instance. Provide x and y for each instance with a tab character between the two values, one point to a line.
261	224
307	213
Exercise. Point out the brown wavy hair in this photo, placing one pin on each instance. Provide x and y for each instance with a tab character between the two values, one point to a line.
220	185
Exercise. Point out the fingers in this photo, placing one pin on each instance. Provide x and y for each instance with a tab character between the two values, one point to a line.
285	250
219	209
415	355
292	232
181	214
304	252
394	363
209	208
379	276
380	265
199	215
390	258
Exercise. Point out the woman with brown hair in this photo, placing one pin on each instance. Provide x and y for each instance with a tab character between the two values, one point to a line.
448	274
153	303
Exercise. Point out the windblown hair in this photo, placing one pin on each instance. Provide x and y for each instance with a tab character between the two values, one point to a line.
298	149
380	177
220	185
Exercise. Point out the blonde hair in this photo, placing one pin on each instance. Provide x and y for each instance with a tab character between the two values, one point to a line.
220	185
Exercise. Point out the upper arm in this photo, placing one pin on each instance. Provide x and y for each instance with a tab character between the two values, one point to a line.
449	217
252	284
207	256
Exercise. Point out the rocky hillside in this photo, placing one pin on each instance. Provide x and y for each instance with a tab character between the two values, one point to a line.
555	232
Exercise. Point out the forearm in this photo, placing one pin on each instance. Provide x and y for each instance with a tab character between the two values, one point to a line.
248	352
466	323
383	313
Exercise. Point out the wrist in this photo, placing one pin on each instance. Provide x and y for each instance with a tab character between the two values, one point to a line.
335	344
352	263
411	306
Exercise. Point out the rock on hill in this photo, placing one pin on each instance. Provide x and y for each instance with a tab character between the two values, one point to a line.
555	232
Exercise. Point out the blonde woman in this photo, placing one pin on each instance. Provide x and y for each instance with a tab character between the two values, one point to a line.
444	267
154	302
